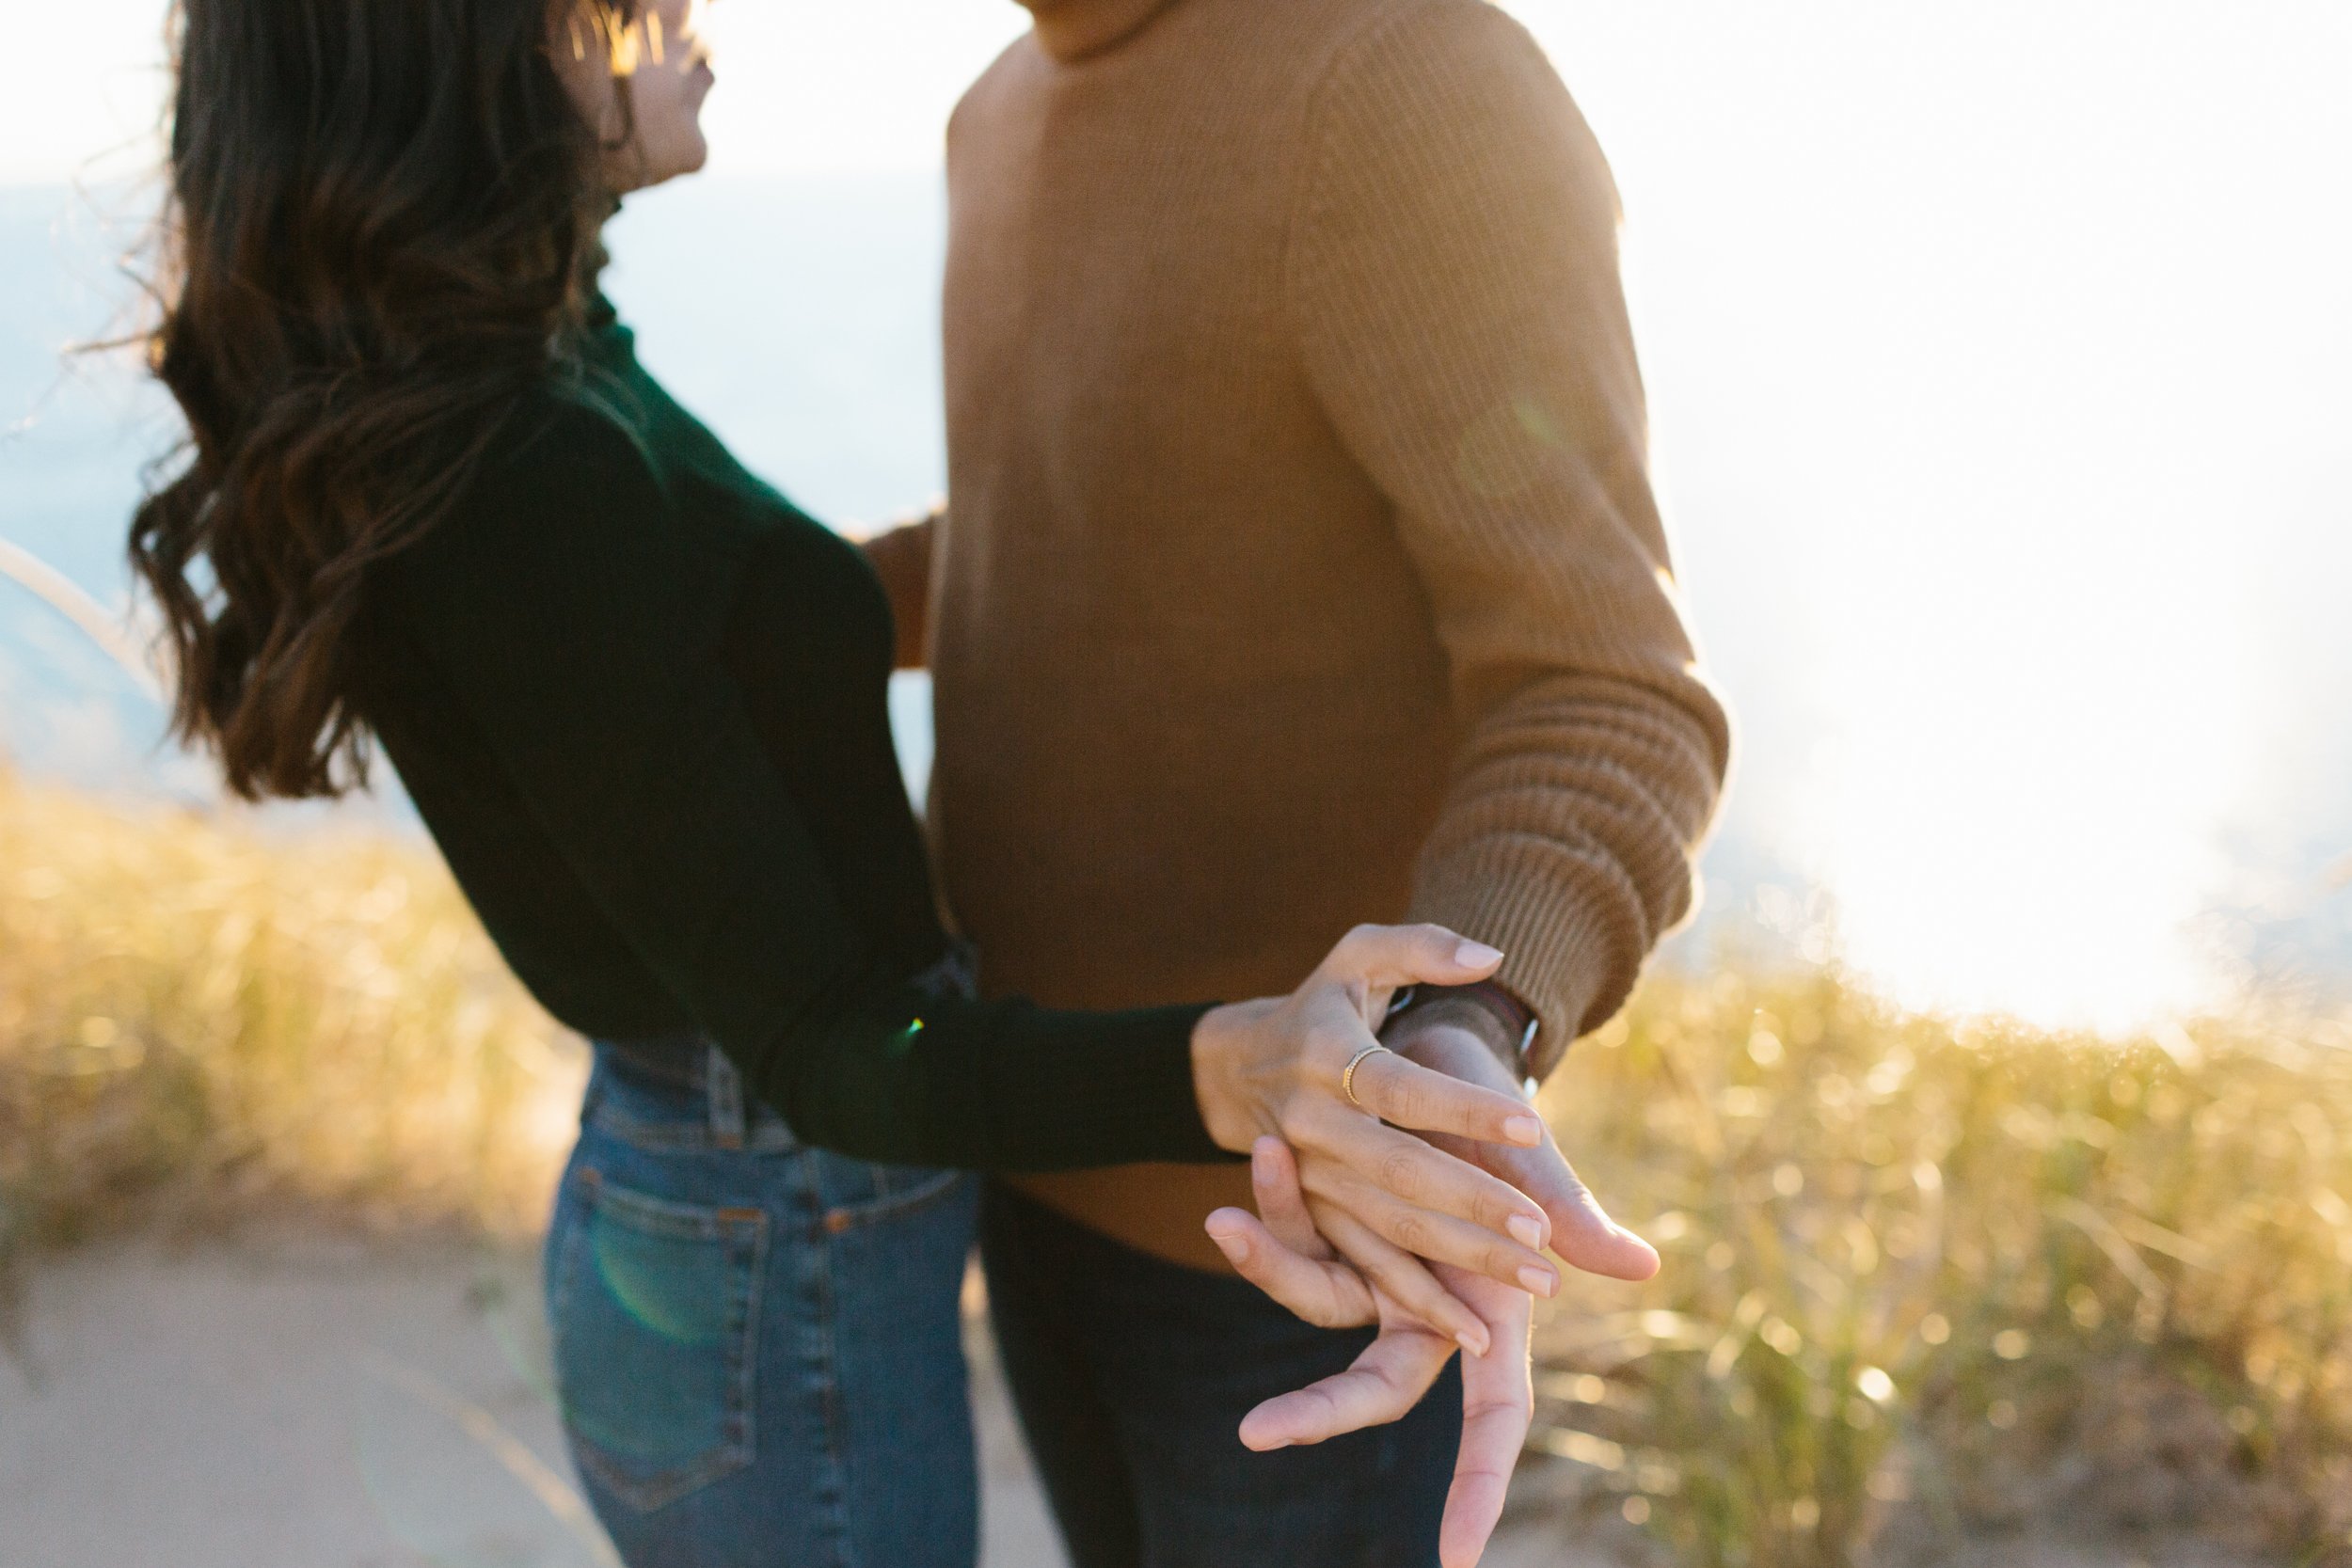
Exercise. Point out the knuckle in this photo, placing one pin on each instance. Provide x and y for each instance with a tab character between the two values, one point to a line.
1410	1231
1409	1283
1491	1210
1329	1311
1400	1172
1422	1297
1487	1109
1393	1278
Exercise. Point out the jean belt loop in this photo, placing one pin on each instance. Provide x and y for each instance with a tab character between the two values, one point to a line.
726	1100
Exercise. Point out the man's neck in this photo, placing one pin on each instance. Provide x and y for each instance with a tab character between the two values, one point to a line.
1072	30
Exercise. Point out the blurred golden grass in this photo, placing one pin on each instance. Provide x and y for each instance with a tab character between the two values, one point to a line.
1922	1278
197	1017
1927	1277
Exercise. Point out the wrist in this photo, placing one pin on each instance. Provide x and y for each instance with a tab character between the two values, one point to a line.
1454	1044
1224	1082
1459	1010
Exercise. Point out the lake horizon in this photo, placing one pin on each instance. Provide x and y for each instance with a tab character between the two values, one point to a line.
2021	738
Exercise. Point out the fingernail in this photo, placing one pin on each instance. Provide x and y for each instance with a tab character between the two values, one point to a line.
1526	1232
1475	1344
1526	1132
1539	1282
1476	955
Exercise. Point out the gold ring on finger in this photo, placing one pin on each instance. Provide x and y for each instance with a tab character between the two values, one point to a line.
1347	1078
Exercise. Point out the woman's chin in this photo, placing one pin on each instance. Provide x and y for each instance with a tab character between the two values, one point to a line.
692	153
688	158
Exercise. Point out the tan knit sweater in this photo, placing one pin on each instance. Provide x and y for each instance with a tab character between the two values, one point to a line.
1301	566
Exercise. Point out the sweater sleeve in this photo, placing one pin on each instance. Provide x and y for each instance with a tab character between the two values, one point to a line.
1453	281
579	626
901	556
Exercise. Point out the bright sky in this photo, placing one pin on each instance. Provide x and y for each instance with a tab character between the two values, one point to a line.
2002	358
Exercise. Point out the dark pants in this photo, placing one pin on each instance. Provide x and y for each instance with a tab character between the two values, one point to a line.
1131	1375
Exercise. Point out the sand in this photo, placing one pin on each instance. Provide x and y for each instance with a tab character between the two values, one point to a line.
305	1400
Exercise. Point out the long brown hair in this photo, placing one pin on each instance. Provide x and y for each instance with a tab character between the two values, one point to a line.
381	229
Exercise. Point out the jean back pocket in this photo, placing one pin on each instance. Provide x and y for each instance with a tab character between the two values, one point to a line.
656	1314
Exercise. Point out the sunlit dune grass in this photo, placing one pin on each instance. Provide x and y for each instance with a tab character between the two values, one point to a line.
1922	1279
196	1019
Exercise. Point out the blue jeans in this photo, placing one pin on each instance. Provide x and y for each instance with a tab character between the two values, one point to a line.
1131	1375
757	1344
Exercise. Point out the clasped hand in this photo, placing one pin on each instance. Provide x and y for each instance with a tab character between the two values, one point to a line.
1294	1251
1279	1067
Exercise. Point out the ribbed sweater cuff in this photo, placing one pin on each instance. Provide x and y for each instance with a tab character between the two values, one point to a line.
1560	955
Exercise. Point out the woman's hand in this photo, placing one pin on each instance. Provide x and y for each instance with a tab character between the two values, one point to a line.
1276	1067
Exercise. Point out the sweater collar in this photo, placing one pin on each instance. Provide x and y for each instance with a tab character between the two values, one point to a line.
1072	30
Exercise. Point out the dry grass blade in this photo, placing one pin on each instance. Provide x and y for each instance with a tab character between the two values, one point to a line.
60	593
1919	1276
1955	1277
196	1019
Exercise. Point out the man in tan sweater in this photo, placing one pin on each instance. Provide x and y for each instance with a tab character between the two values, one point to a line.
1302	569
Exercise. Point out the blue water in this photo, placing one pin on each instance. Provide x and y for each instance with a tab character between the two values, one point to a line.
799	317
1922	591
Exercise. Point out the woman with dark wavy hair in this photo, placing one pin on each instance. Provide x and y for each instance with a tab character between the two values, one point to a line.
431	499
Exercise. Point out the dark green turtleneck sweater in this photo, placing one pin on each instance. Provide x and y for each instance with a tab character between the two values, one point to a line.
641	701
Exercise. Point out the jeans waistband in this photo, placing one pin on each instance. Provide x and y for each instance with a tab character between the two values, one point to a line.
692	1063
679	1061
688	1067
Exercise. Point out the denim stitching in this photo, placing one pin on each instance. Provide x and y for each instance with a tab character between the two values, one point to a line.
834	1489
728	1122
764	1136
739	1446
745	1337
889	1205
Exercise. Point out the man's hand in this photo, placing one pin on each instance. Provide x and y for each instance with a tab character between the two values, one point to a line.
1456	1042
1283	1256
1583	1235
1307	1068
